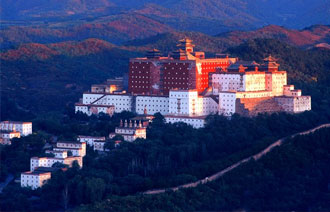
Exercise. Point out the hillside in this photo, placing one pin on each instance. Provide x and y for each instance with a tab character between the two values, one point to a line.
292	177
35	75
37	51
302	38
315	36
306	38
115	29
174	154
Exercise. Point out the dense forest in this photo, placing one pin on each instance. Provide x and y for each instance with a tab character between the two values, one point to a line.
171	155
293	177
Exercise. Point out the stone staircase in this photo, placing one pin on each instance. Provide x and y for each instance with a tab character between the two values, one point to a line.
253	106
98	99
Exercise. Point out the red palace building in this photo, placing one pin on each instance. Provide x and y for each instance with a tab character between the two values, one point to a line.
184	69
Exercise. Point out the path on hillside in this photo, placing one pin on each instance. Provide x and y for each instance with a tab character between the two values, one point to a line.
232	167
3	185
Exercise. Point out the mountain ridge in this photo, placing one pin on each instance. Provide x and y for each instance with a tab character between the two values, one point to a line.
116	17
314	36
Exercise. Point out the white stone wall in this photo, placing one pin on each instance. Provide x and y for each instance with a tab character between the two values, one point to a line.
238	82
42	162
131	134
77	149
254	82
302	103
227	103
34	181
94	109
88	98
227	82
259	94
124	130
89	140
153	104
25	128
48	162
75	152
207	106
294	104
194	122
290	91
83	109
184	103
121	102
275	82
58	154
9	135
141	133
98	146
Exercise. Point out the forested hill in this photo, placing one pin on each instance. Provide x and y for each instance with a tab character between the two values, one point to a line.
293	177
198	15
35	75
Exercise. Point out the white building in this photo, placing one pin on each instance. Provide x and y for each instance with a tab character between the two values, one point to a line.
49	161
252	92
95	109
275	82
294	104
41	168
37	178
25	128
152	104
76	148
131	131
89	140
34	179
93	103
195	121
184	102
58	154
6	136
99	146
246	88
227	103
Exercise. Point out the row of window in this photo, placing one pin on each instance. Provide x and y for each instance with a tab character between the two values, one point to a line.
140	72
145	100
176	83
170	73
183	120
143	105
140	77
139	86
177	78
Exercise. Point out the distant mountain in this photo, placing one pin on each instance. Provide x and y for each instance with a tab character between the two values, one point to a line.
37	51
206	16
315	36
301	38
306	38
21	9
115	29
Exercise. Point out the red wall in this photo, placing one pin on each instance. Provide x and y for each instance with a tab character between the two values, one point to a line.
139	77
176	76
170	74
